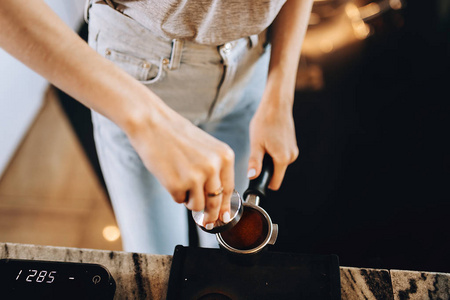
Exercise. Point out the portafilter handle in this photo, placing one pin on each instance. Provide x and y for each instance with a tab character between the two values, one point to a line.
257	187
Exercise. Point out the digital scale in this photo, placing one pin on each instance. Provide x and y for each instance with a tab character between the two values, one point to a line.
37	279
214	274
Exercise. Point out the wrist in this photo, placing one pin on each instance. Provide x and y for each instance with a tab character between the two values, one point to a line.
279	93
140	116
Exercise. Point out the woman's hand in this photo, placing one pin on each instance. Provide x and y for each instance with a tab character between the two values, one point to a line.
272	131
272	128
188	162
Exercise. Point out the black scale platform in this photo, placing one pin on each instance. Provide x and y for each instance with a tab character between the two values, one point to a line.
199	273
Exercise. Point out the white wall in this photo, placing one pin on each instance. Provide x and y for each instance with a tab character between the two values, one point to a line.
22	90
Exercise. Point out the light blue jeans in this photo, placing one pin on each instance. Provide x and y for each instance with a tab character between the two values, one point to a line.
216	88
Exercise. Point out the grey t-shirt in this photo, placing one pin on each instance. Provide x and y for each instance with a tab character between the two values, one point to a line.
212	22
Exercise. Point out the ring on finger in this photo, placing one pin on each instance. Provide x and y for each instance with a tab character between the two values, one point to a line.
216	193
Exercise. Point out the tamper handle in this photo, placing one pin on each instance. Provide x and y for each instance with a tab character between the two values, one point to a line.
259	185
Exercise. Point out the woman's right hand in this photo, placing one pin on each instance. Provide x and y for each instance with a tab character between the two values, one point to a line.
187	161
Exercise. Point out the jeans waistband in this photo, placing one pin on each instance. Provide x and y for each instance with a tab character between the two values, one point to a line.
174	50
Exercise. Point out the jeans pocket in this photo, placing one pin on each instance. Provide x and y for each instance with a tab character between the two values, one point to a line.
141	69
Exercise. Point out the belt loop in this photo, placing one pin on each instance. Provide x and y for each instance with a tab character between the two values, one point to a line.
175	55
87	6
254	39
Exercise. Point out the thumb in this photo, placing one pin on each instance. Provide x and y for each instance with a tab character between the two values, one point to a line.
255	162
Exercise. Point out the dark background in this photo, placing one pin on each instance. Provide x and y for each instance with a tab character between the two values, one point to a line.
372	182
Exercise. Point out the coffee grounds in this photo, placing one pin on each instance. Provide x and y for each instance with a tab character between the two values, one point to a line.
249	232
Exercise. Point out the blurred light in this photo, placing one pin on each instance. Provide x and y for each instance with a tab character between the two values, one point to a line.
111	233
352	11
309	77
361	29
314	19
339	27
370	10
395	4
326	46
330	36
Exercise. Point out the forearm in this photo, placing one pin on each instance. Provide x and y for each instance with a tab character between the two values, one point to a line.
286	36
52	49
272	128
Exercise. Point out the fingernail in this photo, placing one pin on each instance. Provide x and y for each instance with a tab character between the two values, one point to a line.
251	173
226	217
209	226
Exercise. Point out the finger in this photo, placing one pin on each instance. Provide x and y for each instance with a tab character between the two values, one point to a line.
213	198
255	161
279	169
196	201
227	178
180	197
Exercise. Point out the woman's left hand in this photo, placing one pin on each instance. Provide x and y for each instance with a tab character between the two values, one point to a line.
272	128
272	131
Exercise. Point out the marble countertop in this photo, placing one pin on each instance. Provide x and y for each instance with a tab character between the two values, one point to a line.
146	276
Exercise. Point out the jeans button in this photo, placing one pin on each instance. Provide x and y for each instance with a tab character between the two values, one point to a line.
227	47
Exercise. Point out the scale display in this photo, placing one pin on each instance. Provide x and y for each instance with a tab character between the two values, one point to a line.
31	279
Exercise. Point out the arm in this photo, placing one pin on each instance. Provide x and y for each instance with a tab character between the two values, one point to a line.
187	159
272	128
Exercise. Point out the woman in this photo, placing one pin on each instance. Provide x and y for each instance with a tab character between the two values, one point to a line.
185	100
